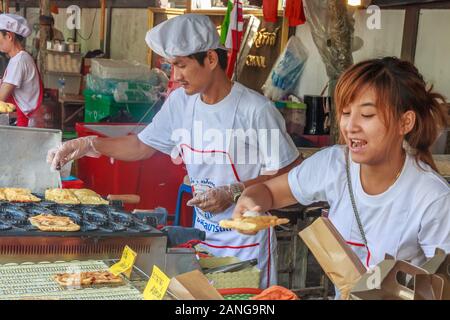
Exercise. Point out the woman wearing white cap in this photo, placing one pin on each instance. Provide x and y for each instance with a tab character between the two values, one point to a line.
21	83
199	122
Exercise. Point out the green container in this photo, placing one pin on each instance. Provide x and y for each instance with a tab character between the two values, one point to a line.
99	106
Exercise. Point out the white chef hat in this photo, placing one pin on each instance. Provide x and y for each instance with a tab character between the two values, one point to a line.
183	35
15	23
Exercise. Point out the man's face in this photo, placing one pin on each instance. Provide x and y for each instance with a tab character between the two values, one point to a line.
193	77
6	42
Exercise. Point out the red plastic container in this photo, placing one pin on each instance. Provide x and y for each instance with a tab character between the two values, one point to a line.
155	180
73	184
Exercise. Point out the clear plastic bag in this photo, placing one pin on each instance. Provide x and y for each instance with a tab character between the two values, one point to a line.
286	71
36	119
332	28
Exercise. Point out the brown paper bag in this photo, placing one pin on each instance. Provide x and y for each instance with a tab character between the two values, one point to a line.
392	275
334	255
192	286
440	265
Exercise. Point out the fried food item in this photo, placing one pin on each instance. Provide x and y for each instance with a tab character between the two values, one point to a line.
19	195
61	196
252	223
2	195
87	278
86	196
6	107
48	222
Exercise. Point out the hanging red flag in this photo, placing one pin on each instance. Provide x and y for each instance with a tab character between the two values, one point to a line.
270	10
295	13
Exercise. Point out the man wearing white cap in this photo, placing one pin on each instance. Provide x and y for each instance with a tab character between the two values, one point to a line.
199	122
21	84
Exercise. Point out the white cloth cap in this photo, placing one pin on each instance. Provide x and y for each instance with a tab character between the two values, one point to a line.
15	23
183	35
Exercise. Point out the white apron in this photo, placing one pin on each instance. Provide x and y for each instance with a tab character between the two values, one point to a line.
205	174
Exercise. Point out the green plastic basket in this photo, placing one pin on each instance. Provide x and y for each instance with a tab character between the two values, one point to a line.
239	293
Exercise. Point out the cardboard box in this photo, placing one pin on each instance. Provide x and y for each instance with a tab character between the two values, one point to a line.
192	286
388	281
334	255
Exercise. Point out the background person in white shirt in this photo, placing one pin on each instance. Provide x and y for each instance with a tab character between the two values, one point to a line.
195	122
21	83
403	203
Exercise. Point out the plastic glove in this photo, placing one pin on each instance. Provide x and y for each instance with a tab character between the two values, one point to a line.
71	150
215	200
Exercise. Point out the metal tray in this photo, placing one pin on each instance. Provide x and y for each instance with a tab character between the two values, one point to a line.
98	220
23	160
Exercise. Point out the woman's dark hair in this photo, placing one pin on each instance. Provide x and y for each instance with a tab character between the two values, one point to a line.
221	53
399	87
18	37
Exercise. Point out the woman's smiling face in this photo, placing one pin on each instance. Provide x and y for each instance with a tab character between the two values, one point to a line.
363	127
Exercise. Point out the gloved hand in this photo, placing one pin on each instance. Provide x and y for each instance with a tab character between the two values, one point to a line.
216	200
71	150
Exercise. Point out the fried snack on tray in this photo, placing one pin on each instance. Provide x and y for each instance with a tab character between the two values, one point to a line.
61	196
48	222
86	196
2	195
252	223
19	195
87	278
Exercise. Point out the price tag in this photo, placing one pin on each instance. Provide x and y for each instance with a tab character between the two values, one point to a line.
157	285
125	265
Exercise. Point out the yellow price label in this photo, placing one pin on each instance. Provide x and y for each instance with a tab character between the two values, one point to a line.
157	285
125	265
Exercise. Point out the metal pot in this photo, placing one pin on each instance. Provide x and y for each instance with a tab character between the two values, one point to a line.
74	47
60	46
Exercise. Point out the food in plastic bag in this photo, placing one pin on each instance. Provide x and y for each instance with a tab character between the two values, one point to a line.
36	119
286	71
276	293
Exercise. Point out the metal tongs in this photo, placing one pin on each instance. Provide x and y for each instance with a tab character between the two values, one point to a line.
232	267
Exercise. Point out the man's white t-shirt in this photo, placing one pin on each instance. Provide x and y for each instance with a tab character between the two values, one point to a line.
22	73
273	146
408	221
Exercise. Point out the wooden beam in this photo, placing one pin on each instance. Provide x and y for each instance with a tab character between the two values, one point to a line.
92	4
151	22
108	33
432	4
102	24
410	29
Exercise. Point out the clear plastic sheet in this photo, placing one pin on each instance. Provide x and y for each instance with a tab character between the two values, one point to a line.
286	71
131	91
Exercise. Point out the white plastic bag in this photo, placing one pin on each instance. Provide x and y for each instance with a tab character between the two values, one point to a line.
286	71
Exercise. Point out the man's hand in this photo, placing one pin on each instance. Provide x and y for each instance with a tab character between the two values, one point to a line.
71	150
215	200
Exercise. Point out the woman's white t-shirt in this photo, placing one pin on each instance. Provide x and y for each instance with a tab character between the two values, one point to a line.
408	221
22	73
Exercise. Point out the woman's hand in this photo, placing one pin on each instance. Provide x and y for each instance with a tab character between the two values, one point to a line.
244	205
